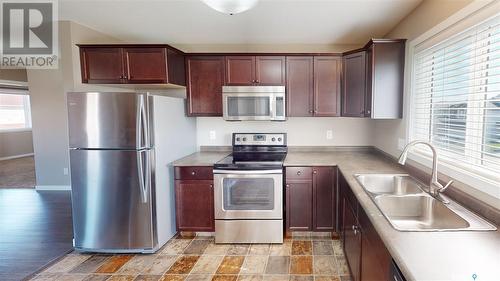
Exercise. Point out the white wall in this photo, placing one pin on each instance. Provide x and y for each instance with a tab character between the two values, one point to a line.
48	90
427	15
302	131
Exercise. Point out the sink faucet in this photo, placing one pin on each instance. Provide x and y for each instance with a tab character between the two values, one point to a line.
435	188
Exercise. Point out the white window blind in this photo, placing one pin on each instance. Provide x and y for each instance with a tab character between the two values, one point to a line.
456	97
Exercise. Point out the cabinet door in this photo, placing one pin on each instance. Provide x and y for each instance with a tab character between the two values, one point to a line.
270	70
352	241
176	67
375	259
323	199
369	81
327	86
354	86
240	70
145	65
102	65
299	86
194	200
299	205
205	78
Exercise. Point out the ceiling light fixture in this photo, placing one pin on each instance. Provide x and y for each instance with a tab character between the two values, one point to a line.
231	7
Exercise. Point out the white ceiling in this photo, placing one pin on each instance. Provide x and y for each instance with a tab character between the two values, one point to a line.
270	22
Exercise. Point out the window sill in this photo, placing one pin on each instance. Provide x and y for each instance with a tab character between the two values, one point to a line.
482	181
15	130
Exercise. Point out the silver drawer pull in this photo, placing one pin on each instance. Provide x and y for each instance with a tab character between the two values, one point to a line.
299	173
193	173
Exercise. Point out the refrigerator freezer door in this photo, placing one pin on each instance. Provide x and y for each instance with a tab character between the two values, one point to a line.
112	200
108	120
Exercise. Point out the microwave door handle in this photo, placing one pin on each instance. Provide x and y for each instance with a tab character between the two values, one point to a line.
272	105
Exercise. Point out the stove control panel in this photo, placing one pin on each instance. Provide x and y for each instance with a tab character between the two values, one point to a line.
273	139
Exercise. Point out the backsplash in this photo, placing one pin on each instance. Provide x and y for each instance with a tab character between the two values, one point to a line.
302	131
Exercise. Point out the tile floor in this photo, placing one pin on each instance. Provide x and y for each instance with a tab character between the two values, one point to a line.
304	257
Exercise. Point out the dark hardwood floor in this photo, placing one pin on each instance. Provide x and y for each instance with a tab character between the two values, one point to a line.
35	229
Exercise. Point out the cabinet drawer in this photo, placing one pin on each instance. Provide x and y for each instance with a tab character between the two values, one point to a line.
194	173
299	173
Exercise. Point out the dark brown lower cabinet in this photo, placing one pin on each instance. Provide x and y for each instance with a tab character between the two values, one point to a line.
299	205
310	198
352	240
194	199
195	205
366	254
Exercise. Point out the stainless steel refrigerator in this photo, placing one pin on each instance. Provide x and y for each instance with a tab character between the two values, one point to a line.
121	147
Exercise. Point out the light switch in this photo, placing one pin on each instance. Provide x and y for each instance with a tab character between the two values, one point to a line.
212	135
329	134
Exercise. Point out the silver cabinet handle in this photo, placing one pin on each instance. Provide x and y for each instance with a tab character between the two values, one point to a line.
193	173
315	172
299	173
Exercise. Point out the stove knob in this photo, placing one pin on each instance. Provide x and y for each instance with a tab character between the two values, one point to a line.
273	139
279	139
244	139
237	139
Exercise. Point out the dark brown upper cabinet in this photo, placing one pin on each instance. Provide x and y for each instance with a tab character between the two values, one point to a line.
255	70
313	85
382	80
354	86
327	71
145	65
102	65
300	86
205	78
310	198
132	64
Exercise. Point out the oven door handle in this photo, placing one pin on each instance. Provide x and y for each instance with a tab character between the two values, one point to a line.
248	172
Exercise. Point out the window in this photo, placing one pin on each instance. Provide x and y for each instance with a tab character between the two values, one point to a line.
456	98
14	111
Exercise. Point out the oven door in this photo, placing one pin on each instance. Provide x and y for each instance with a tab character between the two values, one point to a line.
248	194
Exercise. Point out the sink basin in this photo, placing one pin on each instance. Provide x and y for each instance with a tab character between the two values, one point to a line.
389	184
419	212
404	203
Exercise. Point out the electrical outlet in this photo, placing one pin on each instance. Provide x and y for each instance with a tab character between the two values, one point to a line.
212	135
65	171
329	134
401	144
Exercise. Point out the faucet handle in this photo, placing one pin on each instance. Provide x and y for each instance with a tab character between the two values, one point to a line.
442	189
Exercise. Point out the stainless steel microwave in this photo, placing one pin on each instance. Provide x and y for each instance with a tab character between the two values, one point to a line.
253	103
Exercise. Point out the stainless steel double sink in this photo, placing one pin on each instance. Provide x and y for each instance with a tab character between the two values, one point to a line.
407	207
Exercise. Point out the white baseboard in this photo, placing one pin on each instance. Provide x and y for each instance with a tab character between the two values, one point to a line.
53	187
16	156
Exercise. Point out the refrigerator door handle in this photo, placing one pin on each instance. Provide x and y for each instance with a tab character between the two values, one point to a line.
142	135
143	177
138	123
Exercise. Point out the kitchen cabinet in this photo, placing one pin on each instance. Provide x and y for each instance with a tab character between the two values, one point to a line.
102	65
132	64
255	70
194	199
351	240
354	86
327	70
300	86
313	85
205	78
310	198
366	254
373	80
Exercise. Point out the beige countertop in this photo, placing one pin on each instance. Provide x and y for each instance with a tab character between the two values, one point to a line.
201	158
422	256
